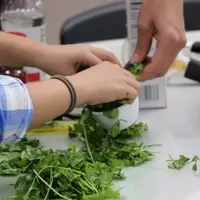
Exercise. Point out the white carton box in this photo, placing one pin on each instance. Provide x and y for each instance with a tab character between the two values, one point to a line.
153	92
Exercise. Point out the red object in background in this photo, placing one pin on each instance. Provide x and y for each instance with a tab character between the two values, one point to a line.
20	74
31	77
18	34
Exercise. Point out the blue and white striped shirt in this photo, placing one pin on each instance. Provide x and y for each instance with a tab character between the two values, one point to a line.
16	109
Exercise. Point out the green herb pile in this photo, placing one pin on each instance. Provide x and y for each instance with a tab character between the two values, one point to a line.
75	174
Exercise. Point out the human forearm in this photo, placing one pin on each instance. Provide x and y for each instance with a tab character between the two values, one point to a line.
28	106
18	51
50	99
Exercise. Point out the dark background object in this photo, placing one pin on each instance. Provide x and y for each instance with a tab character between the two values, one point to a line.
2	5
193	70
101	23
196	47
109	22
191	14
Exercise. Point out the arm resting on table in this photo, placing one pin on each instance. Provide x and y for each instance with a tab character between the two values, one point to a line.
22	107
51	98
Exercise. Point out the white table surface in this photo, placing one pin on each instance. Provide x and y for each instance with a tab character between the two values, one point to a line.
176	128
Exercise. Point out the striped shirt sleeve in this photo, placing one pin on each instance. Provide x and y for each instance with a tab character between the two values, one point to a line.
16	109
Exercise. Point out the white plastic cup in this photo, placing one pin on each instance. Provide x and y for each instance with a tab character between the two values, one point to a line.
128	115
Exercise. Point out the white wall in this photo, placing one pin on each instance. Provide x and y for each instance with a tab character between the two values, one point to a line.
57	11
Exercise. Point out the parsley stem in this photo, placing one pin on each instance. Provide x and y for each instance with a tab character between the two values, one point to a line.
87	182
51	183
64	168
60	195
82	186
89	185
86	141
73	170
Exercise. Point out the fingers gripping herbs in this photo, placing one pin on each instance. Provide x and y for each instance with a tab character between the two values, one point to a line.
75	174
110	109
136	68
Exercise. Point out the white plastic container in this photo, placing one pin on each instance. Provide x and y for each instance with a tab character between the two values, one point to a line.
128	115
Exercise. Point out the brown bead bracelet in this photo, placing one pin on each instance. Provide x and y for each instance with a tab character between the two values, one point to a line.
71	91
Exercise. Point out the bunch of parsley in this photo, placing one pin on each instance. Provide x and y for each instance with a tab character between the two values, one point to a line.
75	174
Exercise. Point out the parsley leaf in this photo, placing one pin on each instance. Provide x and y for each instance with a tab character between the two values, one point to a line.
112	114
182	162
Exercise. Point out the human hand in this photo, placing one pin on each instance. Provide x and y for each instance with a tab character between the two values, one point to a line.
65	59
163	20
104	83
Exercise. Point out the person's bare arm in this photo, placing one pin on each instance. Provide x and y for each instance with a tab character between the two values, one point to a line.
18	51
50	99
52	59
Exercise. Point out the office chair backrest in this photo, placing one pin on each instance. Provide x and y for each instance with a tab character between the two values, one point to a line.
102	23
191	14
